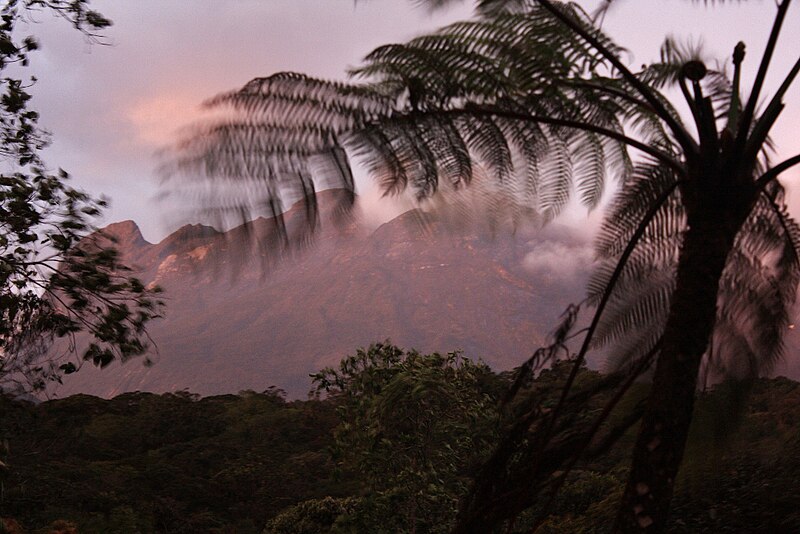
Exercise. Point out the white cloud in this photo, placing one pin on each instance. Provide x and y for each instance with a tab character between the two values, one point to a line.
559	261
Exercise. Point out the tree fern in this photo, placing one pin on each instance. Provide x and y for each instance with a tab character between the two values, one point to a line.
697	262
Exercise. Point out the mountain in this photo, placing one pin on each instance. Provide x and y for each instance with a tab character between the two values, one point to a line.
238	317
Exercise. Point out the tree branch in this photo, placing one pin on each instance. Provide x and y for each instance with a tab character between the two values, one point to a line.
642	366
612	91
787	82
784	226
773	173
752	102
764	124
632	242
578	125
681	135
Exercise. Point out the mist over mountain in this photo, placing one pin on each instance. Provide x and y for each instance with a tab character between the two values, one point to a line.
239	317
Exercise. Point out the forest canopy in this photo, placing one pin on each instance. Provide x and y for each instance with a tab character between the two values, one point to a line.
254	462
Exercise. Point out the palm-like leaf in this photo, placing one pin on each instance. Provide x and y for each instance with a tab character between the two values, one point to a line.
757	291
426	113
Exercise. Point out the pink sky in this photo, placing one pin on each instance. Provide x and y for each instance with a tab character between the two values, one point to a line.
111	107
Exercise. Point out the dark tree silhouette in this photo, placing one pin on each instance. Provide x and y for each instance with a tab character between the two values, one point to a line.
698	246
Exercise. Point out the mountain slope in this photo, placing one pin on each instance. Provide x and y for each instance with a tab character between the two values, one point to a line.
236	319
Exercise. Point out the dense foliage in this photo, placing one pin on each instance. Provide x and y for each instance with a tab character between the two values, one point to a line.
165	463
349	463
397	410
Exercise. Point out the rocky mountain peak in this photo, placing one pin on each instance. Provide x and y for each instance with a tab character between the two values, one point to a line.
125	234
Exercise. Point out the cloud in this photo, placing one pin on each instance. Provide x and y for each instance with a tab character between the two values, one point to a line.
565	261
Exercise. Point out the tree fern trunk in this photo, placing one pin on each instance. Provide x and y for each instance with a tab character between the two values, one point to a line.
665	425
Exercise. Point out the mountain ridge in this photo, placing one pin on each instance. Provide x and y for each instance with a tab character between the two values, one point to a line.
241	315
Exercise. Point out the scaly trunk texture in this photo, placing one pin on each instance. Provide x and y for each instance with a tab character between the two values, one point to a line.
665	425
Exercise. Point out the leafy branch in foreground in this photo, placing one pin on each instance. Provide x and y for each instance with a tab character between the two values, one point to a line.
53	281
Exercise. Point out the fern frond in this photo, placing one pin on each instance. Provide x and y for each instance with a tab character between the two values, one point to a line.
756	293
